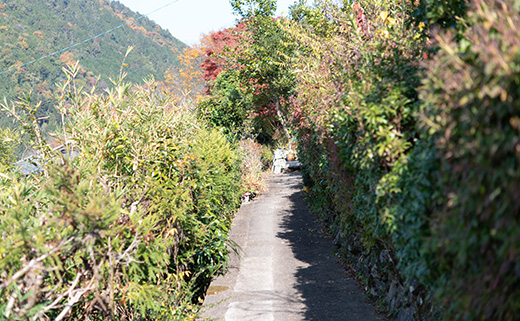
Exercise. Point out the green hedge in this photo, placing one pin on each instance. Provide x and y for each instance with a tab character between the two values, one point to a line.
472	111
418	152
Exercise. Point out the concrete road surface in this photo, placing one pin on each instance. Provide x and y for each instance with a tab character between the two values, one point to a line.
287	270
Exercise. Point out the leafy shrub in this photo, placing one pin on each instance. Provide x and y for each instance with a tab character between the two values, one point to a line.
358	102
410	191
134	227
446	13
472	111
226	106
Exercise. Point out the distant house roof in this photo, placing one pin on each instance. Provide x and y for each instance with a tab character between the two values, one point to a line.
33	165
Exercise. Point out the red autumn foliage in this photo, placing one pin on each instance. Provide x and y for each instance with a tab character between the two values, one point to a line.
216	44
361	19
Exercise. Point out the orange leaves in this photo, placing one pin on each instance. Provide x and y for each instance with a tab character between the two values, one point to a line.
68	60
66	57
39	34
188	77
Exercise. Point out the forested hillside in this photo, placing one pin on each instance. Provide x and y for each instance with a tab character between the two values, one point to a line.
31	29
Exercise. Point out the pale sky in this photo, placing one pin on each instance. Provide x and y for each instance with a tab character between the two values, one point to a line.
188	19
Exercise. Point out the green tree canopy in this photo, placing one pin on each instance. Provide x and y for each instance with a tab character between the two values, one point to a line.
253	8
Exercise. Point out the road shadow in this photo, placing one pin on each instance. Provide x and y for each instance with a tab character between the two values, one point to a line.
327	291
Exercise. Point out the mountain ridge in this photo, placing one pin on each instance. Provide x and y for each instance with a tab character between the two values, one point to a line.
32	29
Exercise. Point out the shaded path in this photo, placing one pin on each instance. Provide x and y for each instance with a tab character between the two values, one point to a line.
287	270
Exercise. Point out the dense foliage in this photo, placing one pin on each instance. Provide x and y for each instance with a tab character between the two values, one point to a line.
32	29
8	141
406	115
133	227
472	111
248	84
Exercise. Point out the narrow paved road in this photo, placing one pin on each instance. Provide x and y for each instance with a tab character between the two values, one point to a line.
287	270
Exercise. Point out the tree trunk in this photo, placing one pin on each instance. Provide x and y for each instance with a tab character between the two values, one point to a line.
282	121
